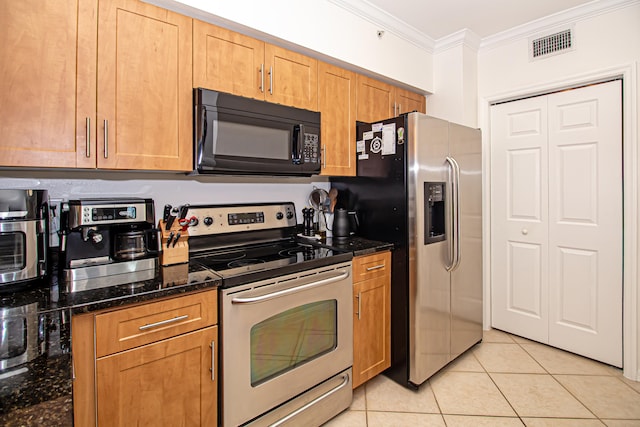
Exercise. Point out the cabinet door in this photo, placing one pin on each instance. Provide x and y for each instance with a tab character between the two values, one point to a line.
144	87
168	383
375	100
227	61
337	102
38	93
371	329
291	78
407	101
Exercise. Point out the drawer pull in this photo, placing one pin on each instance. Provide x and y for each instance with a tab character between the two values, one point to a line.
163	322
377	267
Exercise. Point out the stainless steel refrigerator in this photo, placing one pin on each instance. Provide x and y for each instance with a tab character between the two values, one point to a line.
419	186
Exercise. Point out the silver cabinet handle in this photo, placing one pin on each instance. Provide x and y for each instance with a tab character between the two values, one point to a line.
376	267
324	156
262	78
271	80
88	150
455	213
213	360
106	139
163	322
359	296
345	381
249	300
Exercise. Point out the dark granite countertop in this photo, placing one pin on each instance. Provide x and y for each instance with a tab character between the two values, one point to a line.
39	392
358	245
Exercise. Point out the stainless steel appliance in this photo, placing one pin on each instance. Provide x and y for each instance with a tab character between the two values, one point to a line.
419	186
107	242
20	335
286	315
24	239
237	135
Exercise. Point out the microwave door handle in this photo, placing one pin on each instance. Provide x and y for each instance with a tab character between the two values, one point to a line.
298	144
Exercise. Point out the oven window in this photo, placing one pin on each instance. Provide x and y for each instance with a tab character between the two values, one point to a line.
291	338
13	338
12	252
243	140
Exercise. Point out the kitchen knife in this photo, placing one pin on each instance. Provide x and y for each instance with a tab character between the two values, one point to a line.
175	240
170	222
183	211
166	213
170	238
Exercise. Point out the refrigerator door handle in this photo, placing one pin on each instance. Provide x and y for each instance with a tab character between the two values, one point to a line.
454	179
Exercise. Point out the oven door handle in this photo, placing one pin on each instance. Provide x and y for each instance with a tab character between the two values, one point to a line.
277	294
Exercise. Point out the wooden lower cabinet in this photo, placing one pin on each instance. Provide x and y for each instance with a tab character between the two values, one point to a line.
168	381
371	316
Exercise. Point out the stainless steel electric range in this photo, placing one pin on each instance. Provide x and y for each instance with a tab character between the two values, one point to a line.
286	315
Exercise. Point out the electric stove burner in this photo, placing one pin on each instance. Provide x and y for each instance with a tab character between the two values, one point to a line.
301	249
244	262
224	257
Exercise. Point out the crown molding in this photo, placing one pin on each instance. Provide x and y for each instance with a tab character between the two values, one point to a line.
388	22
569	16
464	37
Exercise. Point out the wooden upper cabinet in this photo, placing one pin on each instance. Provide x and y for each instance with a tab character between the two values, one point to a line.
292	78
227	61
375	100
38	91
144	100
67	71
337	104
407	101
230	62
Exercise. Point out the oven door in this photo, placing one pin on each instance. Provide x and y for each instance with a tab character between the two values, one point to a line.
283	336
20	247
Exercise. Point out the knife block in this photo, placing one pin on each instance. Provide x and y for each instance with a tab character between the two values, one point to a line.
174	260
176	252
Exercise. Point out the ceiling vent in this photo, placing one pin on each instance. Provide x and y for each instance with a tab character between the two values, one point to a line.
551	44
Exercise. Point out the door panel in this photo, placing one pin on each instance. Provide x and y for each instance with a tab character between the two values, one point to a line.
585	227
556	186
429	286
519	218
144	87
466	280
227	61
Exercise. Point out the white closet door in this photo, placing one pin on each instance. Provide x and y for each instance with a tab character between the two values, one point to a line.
519	222
585	221
556	220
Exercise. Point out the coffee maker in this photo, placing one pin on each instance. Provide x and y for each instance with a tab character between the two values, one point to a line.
107	242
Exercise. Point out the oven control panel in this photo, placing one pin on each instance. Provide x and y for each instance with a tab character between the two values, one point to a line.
220	219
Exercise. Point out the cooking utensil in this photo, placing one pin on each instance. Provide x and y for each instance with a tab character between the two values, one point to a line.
333	198
318	199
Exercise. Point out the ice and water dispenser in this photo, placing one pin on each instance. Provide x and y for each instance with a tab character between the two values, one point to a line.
434	199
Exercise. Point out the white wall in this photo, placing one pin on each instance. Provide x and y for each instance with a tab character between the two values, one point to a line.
606	44
455	96
322	27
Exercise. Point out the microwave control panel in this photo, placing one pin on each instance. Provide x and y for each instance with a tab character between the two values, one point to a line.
311	151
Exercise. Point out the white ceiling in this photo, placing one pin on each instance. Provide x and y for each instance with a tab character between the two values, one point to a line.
440	18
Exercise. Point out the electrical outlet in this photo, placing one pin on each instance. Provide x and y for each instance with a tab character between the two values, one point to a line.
54	221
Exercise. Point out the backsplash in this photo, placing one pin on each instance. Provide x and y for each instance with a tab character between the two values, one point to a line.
164	188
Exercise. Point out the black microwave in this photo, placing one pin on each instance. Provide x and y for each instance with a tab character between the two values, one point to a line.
245	136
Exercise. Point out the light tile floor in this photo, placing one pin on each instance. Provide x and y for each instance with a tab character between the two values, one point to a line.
503	381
